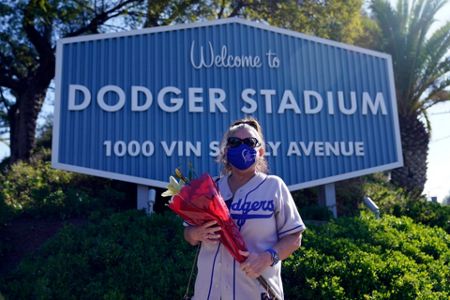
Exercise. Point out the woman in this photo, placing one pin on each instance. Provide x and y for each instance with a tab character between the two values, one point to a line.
263	209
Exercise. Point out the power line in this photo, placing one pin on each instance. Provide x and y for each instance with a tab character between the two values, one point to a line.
440	139
440	113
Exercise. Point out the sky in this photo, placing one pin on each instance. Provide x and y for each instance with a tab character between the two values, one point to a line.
438	173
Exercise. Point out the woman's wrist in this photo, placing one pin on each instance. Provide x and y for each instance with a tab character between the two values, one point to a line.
267	258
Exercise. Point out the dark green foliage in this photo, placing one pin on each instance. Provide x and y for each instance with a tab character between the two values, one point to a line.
349	195
425	212
337	20
306	197
126	256
394	202
6	213
315	212
38	190
42	150
131	256
365	258
307	203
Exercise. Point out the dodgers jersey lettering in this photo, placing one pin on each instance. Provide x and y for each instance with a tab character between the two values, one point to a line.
264	211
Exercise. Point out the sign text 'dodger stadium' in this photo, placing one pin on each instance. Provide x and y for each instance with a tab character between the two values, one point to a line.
134	106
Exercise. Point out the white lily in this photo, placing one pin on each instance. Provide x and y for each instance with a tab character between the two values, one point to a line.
173	187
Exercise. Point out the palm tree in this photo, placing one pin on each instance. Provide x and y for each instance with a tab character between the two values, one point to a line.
422	77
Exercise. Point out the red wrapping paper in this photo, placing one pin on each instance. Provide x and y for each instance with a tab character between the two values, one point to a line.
199	202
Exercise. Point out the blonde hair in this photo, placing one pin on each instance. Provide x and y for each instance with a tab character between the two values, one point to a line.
251	124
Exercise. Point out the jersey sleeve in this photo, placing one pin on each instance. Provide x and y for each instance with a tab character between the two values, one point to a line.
288	218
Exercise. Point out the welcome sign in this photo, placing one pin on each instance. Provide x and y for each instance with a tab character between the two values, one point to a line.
134	106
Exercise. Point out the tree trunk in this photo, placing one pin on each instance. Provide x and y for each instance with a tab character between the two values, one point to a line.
415	138
23	121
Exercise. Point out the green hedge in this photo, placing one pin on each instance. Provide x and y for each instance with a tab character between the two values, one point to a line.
126	256
6	214
131	256
365	258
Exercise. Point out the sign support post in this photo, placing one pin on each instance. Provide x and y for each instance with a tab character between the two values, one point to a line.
327	197
330	198
145	199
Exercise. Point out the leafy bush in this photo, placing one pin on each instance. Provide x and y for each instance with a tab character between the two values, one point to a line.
394	202
37	189
426	212
349	194
131	256
365	258
6	214
315	212
126	256
306	197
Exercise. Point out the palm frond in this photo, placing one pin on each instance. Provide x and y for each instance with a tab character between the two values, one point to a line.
434	64
426	117
420	64
438	93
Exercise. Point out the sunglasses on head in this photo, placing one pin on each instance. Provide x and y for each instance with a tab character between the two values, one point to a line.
236	142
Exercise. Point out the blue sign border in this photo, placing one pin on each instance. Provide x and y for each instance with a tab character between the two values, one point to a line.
151	182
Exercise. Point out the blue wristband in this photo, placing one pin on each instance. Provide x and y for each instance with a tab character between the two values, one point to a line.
274	255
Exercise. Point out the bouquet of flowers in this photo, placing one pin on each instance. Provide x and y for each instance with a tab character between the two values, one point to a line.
198	201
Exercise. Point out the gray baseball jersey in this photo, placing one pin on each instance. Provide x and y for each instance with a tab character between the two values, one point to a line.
264	211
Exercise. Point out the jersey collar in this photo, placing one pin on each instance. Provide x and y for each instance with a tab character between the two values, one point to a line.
250	185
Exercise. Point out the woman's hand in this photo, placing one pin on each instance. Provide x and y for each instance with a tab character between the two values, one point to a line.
255	263
206	233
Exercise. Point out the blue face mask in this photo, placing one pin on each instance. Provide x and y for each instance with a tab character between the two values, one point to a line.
241	157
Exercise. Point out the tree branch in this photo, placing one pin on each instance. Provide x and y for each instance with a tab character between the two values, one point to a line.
43	46
11	63
222	9
239	5
92	27
101	18
179	10
8	82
